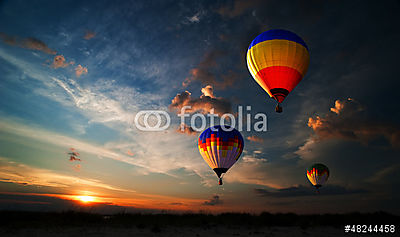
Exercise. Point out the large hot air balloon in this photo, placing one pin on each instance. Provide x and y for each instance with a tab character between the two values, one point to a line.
317	174
220	148
278	60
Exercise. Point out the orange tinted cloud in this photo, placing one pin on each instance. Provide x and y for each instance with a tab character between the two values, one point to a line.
18	173
204	104
29	43
207	91
349	120
254	138
59	61
89	35
79	70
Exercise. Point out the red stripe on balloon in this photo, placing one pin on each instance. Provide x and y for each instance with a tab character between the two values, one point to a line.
279	77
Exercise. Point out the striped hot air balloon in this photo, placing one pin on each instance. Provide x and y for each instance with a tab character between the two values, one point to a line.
278	60
220	148
317	174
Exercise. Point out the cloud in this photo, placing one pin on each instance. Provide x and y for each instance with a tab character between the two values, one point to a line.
205	72
255	138
299	190
10	40
386	175
89	35
349	120
60	140
215	200
13	172
204	104
195	18
239	7
259	171
59	61
186	129
35	44
79	70
207	91
29	43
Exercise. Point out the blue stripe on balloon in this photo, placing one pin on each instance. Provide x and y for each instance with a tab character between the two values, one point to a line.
225	135
278	34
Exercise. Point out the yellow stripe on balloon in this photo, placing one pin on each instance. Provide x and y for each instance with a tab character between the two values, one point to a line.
277	53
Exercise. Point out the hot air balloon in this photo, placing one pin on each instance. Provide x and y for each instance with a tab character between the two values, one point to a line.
220	147
278	60
317	174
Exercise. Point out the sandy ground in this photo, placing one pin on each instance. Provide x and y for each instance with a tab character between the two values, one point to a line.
181	231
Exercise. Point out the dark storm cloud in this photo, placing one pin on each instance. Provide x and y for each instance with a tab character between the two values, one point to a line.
204	104
29	43
215	200
300	190
350	120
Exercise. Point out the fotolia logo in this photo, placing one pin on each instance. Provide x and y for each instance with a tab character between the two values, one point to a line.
159	120
155	117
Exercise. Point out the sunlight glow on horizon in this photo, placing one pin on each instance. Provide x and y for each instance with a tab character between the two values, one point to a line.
85	199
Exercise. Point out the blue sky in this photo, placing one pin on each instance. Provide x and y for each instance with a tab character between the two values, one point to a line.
121	57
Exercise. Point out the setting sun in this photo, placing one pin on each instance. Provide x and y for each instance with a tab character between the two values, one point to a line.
85	199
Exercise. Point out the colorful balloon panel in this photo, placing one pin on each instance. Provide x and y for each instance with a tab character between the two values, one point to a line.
219	148
278	60
318	174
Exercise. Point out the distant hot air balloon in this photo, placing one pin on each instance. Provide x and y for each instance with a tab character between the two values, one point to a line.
278	60
220	148
317	174
73	155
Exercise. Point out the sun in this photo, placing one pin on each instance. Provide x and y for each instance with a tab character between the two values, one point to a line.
85	199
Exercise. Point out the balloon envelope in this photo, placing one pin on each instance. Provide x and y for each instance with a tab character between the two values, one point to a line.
278	60
318	174
220	148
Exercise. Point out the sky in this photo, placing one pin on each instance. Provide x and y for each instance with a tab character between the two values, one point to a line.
74	74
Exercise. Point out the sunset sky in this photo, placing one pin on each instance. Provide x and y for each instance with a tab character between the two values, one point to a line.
73	74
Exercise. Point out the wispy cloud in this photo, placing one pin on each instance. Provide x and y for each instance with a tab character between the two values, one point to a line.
205	72
299	190
89	35
13	172
63	141
29	43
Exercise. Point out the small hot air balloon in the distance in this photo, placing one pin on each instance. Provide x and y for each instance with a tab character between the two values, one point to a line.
317	174
278	60
220	147
73	155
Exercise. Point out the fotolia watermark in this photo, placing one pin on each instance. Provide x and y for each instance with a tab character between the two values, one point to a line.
159	120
